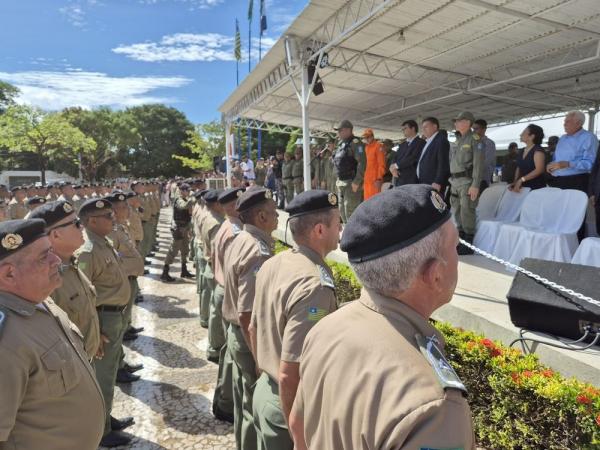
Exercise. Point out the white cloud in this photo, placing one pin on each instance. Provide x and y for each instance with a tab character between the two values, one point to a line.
57	90
75	11
192	4
206	47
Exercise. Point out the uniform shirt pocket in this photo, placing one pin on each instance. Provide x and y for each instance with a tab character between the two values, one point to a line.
60	370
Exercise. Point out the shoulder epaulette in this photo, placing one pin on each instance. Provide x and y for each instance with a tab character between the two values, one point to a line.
326	279
2	321
235	229
441	367
264	248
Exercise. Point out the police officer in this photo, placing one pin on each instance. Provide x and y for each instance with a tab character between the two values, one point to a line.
100	262
4	214
294	290
298	170
329	179
180	229
133	266
244	257
350	162
50	397
34	202
16	207
210	225
198	214
467	168
146	216
403	392
287	176
228	231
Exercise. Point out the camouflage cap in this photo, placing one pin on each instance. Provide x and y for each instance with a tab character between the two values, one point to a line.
465	115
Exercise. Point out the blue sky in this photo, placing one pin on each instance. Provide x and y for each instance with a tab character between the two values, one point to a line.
123	53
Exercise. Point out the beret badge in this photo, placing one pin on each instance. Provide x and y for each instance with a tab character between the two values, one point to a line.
438	201
332	198
239	193
268	194
67	208
12	241
99	204
121	197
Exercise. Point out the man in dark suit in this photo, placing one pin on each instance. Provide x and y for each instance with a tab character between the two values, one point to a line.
404	168
433	166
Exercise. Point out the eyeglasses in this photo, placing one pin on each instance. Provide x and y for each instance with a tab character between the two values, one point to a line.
76	222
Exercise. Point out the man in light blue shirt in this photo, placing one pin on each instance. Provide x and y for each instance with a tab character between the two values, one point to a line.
574	158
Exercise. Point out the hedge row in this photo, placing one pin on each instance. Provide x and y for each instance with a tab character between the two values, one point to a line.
517	402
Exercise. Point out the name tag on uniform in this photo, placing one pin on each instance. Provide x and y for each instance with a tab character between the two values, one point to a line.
466	146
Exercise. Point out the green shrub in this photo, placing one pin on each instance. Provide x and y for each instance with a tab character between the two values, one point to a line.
517	402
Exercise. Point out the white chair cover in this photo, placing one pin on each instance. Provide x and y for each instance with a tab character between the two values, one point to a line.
489	201
508	211
588	252
547	228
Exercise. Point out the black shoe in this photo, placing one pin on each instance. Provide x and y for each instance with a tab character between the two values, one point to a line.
130	336
131	368
165	275
463	249
151	254
146	271
147	261
204	325
125	377
222	415
186	273
136	330
118	425
115	439
139	299
213	359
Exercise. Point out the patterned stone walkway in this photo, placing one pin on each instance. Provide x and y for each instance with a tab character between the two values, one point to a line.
171	403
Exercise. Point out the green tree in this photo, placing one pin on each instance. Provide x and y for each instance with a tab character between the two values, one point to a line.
48	135
8	93
159	132
111	130
205	143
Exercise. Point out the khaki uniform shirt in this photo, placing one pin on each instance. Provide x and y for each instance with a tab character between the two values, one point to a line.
145	212
246	254
99	261
467	154
131	260
199	212
210	225
374	355
77	297
298	169
294	290
17	210
286	169
228	231
50	399
135	225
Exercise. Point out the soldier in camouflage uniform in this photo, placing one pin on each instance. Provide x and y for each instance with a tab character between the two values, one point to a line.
298	171
180	228
467	166
287	176
350	162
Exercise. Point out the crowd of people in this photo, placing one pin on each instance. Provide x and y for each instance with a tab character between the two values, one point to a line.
70	256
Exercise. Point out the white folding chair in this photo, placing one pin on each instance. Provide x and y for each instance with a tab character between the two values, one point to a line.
547	229
489	201
508	211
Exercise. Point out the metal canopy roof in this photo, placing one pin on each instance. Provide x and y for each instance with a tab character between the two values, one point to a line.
392	60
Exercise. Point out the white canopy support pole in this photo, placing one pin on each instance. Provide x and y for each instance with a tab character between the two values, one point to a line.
305	94
592	121
228	152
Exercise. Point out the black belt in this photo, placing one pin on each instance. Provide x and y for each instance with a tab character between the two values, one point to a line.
111	308
462	174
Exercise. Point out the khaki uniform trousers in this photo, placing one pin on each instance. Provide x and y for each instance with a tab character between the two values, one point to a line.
463	207
269	421
348	200
200	285
244	377
216	331
288	187
179	245
223	397
112	325
146	241
208	286
133	284
298	185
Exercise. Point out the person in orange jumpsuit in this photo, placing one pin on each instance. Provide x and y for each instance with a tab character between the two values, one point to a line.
375	169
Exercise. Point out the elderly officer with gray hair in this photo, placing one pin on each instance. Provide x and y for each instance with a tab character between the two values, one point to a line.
404	393
50	397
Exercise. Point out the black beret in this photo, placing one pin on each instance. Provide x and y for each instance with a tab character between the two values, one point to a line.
131	194
17	234
253	197
93	205
230	195
200	194
311	201
211	196
53	212
35	200
17	188
184	187
392	220
115	197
